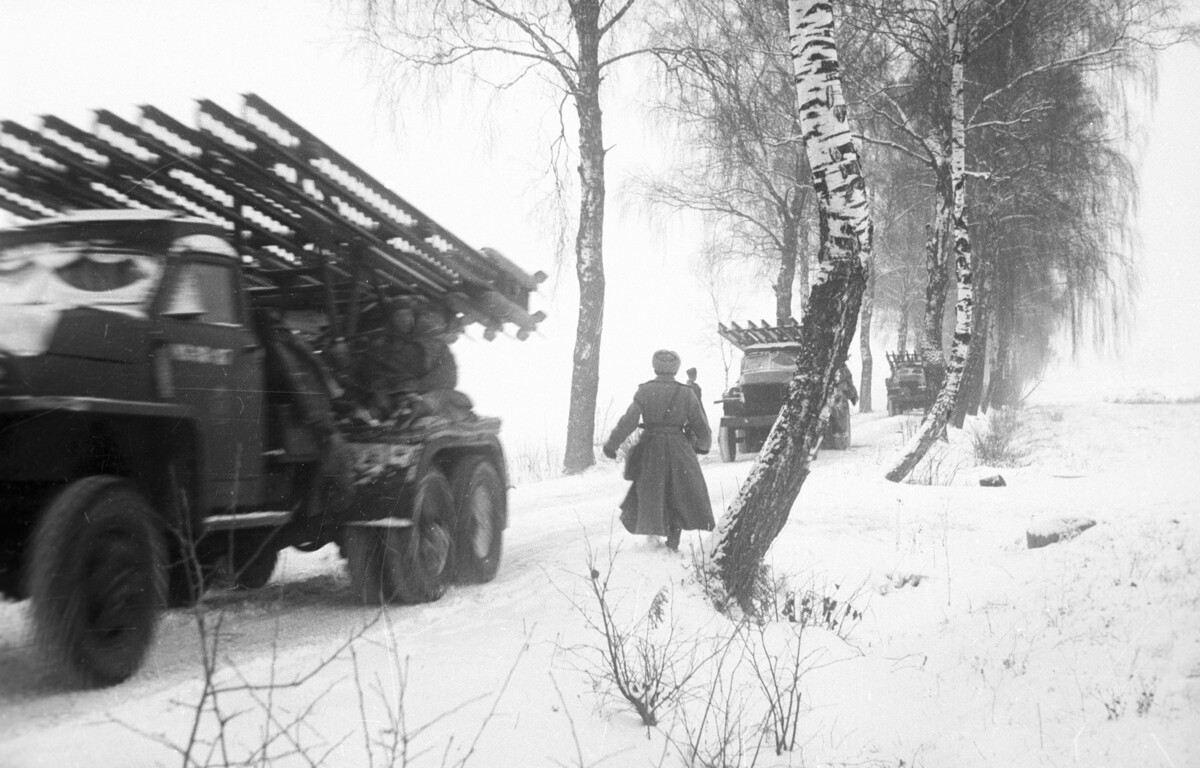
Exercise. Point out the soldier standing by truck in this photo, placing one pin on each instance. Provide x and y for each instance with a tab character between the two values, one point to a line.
694	386
837	431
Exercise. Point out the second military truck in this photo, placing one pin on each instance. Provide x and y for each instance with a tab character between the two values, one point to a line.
750	407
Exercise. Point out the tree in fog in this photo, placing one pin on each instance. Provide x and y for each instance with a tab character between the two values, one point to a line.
728	92
934	111
894	275
763	503
1055	208
568	44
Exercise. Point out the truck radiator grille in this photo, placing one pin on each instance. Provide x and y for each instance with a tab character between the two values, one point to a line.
763	399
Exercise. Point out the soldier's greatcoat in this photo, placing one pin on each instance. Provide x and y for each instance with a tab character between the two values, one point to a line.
669	490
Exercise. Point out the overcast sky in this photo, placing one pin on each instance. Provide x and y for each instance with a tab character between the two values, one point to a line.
479	167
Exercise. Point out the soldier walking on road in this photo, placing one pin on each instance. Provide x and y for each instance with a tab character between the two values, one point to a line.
668	494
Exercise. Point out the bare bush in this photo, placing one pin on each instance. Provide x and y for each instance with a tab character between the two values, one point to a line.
1003	441
779	672
939	467
532	463
724	732
646	659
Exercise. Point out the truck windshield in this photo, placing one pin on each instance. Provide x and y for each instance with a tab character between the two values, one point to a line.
62	275
768	361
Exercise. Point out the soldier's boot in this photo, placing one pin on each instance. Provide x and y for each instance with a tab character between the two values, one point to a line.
673	534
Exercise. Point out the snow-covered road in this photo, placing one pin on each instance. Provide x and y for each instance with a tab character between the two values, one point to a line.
995	654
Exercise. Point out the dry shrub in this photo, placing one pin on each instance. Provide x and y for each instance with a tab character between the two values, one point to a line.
1004	441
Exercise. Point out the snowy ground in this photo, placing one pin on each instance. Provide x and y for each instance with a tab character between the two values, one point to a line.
971	649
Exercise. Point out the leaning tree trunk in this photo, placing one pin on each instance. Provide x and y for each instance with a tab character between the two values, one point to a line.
864	339
934	424
971	391
765	500
589	261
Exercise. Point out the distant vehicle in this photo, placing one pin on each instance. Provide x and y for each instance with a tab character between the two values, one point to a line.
750	407
160	420
906	387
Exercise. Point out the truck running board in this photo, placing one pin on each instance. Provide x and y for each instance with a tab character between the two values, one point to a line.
315	231
385	522
247	520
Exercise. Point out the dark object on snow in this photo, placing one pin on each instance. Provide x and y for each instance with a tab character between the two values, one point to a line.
1052	530
995	481
668	491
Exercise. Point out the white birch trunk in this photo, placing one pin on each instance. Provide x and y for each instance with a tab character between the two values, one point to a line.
589	247
934	424
764	502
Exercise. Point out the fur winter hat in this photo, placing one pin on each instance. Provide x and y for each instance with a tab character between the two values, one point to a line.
665	361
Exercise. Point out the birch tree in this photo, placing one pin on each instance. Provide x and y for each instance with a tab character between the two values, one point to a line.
933	426
765	499
569	44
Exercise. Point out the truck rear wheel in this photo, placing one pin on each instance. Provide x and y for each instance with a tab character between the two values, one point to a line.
97	578
186	578
364	547
479	500
727	443
417	559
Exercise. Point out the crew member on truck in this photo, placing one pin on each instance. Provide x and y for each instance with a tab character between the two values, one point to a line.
408	366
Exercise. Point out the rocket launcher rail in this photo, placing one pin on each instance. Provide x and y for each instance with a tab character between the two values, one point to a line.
765	333
316	231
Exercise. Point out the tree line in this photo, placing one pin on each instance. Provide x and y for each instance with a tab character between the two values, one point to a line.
995	134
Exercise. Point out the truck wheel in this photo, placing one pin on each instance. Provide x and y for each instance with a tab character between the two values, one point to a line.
363	547
727	442
186	579
479	500
97	578
253	563
417	559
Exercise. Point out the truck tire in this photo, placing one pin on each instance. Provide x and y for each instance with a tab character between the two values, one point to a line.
479	505
727	443
97	577
186	579
253	563
364	547
418	559
755	438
